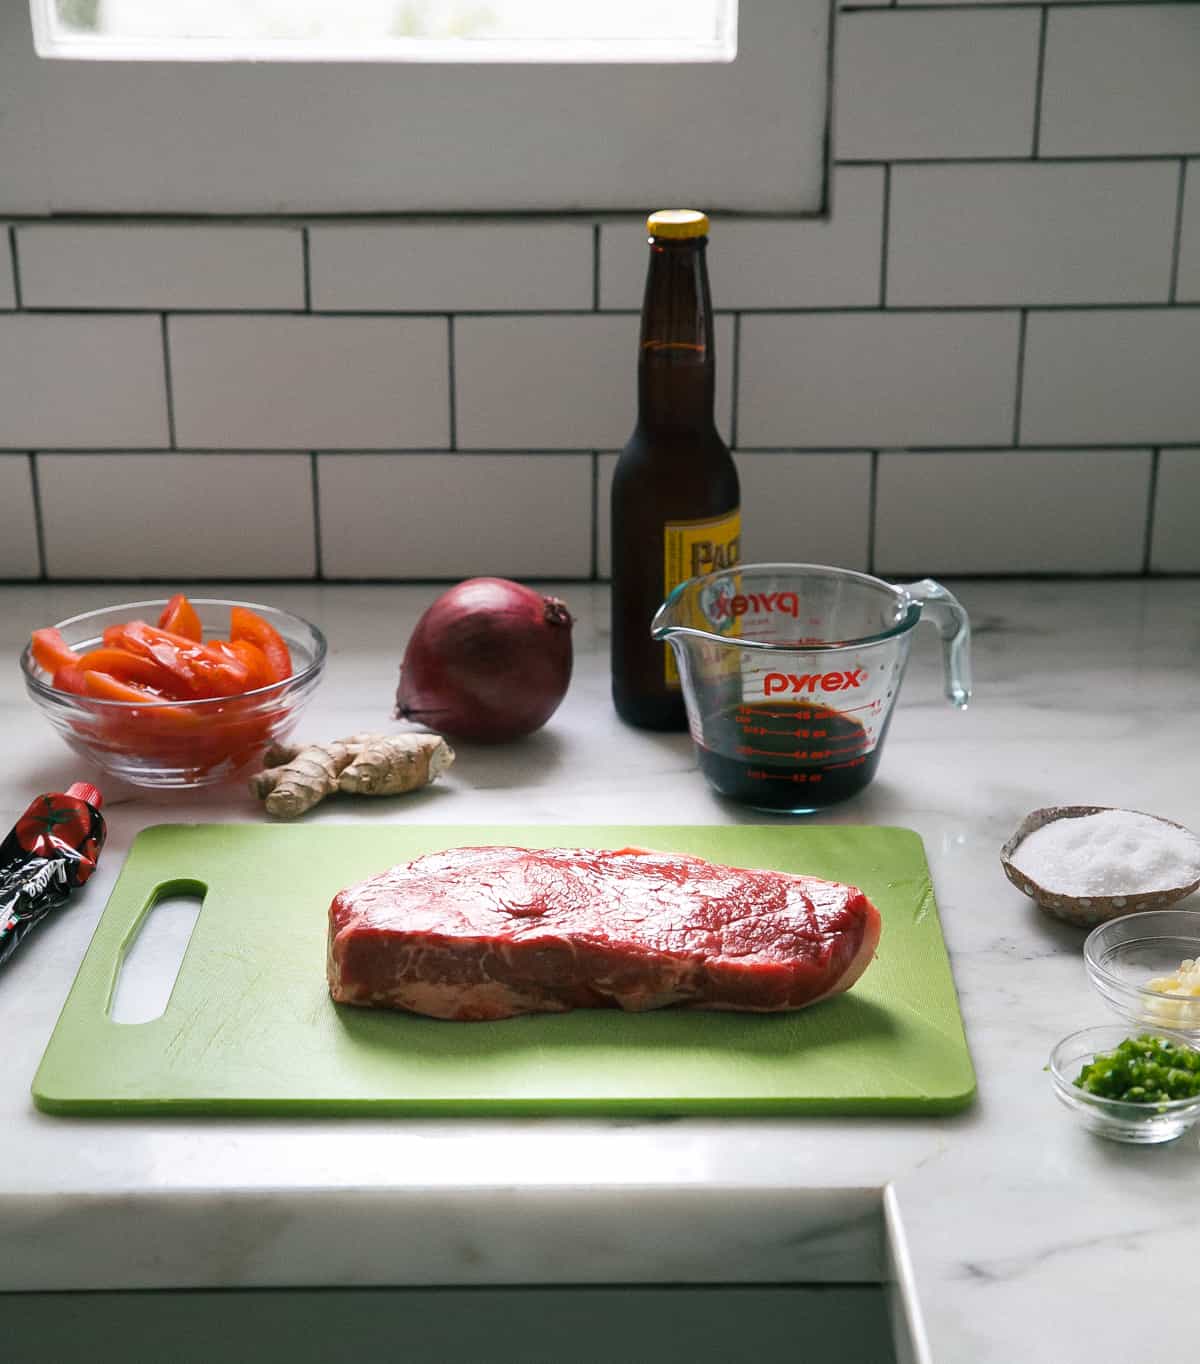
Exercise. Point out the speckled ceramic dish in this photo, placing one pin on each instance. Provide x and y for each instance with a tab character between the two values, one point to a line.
1084	911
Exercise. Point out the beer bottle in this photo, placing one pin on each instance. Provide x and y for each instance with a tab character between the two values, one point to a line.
675	507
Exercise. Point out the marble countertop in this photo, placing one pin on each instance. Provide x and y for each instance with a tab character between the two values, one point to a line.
1018	1225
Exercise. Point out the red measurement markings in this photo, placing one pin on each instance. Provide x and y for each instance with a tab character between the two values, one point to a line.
757	774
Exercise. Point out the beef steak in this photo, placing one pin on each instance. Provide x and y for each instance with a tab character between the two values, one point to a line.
487	933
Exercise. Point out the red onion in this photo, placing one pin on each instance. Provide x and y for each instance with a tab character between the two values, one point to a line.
490	660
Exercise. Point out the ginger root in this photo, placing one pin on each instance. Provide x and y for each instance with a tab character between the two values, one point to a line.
297	777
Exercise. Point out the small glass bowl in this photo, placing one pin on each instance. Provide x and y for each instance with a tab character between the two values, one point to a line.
1123	955
175	744
1144	1124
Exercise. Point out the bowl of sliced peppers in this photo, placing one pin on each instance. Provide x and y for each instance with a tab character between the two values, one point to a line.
178	692
1139	1088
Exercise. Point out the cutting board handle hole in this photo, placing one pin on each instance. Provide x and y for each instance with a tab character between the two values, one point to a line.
154	951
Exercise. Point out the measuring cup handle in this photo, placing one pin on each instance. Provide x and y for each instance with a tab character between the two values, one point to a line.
945	611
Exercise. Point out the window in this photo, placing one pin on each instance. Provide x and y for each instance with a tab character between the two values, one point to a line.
387	30
735	122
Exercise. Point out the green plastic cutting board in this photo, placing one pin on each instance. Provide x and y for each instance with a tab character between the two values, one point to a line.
250	1027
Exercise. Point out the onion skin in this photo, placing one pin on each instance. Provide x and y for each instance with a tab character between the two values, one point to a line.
489	661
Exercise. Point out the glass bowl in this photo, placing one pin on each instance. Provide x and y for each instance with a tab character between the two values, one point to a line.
167	744
1122	956
1114	1118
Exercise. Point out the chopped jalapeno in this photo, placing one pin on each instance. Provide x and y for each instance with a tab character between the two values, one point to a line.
1143	1070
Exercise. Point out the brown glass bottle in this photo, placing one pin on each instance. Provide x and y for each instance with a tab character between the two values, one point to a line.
675	490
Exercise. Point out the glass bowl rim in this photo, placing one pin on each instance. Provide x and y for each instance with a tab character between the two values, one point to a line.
50	693
1097	968
1121	1108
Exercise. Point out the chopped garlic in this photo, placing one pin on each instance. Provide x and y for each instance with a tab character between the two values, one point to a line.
1185	981
1178	1013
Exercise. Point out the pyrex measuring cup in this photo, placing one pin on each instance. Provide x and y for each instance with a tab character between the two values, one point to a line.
790	673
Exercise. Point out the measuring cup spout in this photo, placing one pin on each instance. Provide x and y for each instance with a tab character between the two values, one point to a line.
947	614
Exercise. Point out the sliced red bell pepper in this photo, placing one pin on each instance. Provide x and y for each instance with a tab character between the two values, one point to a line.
135	668
50	651
248	625
201	670
70	678
179	616
252	657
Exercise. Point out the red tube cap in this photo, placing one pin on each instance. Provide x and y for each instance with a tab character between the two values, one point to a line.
84	790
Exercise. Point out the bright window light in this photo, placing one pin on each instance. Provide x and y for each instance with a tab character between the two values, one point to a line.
388	30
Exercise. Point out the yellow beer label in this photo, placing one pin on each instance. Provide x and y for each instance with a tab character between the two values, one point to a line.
692	548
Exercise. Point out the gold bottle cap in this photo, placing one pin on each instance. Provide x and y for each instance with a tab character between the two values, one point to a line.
677	223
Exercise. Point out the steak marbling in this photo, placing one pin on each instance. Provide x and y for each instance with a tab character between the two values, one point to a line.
488	933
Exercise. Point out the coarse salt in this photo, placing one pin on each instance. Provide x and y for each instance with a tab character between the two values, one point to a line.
1115	852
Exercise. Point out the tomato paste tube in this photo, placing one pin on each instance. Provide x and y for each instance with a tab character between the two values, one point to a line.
52	849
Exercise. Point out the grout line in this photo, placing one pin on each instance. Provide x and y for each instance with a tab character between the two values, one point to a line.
973	6
452	381
1173	284
306	260
1152	497
38	520
795	448
16	264
170	384
1039	84
595	577
318	558
1019	392
872	504
351	580
791	310
595	267
1014	160
736	380
885	236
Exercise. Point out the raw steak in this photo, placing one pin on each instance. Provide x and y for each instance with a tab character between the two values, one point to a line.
486	933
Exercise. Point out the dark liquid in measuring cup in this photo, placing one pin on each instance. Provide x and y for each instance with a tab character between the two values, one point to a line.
787	755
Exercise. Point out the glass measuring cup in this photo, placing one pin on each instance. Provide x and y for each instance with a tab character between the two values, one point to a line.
790	673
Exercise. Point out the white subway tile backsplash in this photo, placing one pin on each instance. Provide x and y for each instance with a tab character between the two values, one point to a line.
806	507
475	267
136	265
1117	377
274	382
866	379
558	382
1188	286
1011	511
1121	79
929	84
176	516
456	516
981	283
81	381
777	263
802	507
1174	543
8	293
18	521
1037	232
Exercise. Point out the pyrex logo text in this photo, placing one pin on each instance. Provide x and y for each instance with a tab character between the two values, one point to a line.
786	602
776	683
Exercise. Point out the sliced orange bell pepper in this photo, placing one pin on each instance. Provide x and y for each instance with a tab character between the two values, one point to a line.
179	616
